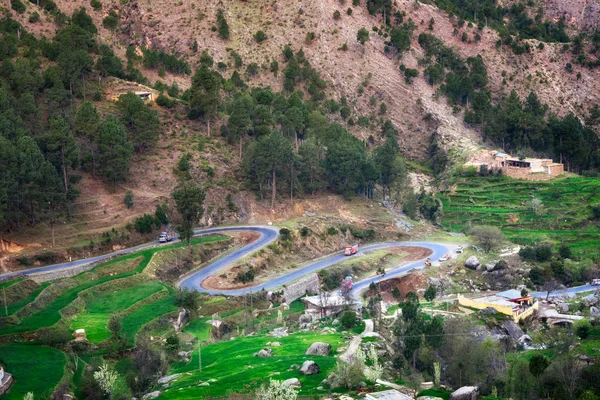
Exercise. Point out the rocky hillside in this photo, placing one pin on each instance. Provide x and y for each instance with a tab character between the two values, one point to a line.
176	26
368	76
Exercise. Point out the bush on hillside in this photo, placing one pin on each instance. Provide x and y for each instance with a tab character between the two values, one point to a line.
348	319
145	224
487	237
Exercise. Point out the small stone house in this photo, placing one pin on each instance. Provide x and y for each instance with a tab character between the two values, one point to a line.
328	305
527	168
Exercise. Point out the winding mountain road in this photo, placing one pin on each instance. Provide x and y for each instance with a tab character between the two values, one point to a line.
267	235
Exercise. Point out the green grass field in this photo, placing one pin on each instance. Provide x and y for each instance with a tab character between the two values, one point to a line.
565	215
36	369
233	368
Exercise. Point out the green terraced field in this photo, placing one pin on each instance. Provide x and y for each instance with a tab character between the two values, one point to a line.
101	308
50	315
17	305
7	283
566	214
234	368
122	298
133	322
36	369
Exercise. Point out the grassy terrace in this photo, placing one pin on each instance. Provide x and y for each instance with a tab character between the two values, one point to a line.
565	215
50	315
232	367
36	369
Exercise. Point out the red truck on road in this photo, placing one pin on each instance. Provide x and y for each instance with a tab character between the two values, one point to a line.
351	250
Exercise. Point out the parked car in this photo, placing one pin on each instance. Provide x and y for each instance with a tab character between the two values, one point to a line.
459	250
446	257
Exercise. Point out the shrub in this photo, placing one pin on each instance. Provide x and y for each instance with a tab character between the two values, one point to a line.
274	67
348	319
564	251
96	4
260	36
164	101
349	11
310	36
172	343
582	328
332	231
305	231
34	17
160	214
430	293
223	26
245	277
596	211
46	257
252	69
285	234
337	15
409	74
543	252
111	21
184	162
24	260
128	199
144	224
18	6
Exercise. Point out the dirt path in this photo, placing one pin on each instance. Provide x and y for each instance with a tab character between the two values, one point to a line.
355	342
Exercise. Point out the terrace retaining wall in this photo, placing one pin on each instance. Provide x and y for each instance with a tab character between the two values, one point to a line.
307	284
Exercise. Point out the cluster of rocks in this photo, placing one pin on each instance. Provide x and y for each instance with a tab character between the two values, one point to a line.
279	332
264	353
560	303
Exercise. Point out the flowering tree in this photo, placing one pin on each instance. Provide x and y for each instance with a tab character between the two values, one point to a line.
106	379
277	390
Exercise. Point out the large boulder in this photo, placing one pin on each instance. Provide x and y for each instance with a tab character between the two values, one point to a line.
309	368
168	379
319	349
595	311
465	393
293	382
182	318
151	395
514	331
264	353
472	263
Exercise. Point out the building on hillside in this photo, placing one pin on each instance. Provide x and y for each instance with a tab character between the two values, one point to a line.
323	306
509	302
527	168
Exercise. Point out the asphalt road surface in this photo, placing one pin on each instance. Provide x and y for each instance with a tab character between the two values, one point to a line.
268	234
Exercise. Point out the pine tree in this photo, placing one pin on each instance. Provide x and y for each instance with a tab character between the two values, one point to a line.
205	96
114	150
141	121
189	201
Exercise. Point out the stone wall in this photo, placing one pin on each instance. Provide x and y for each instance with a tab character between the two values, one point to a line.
40	277
307	284
525	173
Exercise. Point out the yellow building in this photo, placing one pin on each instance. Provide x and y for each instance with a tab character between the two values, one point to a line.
509	302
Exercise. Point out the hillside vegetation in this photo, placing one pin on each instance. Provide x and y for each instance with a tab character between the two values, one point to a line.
561	210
